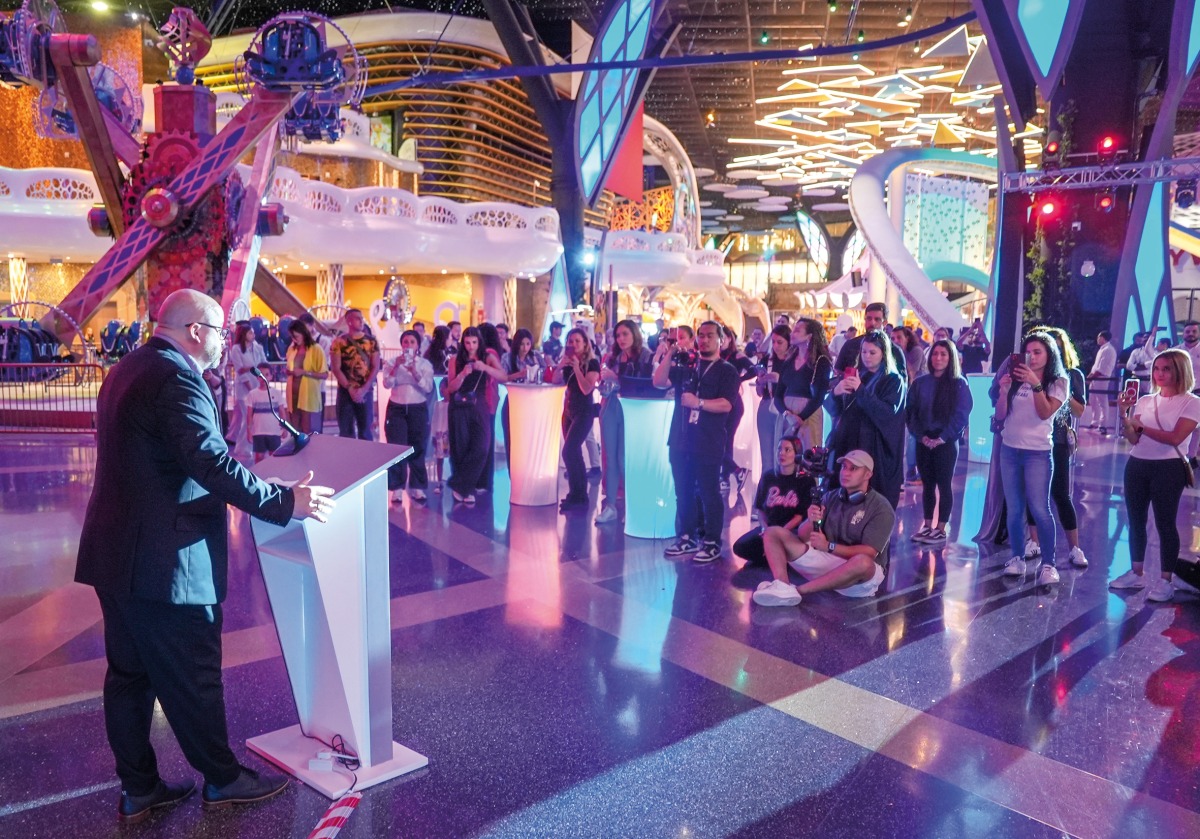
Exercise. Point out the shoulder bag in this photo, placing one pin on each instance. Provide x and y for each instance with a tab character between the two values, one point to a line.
1187	466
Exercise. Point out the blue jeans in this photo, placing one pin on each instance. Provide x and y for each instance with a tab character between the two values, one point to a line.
1026	475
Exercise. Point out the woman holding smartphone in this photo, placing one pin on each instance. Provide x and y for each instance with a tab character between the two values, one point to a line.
770	368
579	370
307	370
470	422
868	406
409	379
629	359
937	411
1031	393
1155	474
804	381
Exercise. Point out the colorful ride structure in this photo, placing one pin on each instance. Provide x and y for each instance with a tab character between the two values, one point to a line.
183	211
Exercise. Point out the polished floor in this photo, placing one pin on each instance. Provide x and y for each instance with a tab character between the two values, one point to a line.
565	680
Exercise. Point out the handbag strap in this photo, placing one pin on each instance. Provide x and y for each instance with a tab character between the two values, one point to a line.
1182	456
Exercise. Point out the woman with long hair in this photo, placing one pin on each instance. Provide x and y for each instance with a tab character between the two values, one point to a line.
770	367
579	370
745	369
867	405
1156	474
803	385
470	423
517	365
410	381
1031	393
628	359
1062	452
437	354
489	337
307	369
781	500
914	365
245	355
937	412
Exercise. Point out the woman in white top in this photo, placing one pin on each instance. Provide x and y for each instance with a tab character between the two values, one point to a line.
1155	474
410	379
1030	395
245	355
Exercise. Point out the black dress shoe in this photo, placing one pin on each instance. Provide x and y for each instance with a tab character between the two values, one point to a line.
248	788
135	808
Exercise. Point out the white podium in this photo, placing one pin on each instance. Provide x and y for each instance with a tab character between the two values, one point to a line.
535	421
649	484
330	595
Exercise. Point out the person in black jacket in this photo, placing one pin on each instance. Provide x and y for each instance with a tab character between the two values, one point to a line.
874	319
154	546
770	368
939	407
803	385
579	370
867	404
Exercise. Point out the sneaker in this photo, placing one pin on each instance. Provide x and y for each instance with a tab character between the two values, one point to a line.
1183	585
395	495
607	514
777	593
923	534
1077	558
457	497
724	486
1160	591
594	472
742	475
1047	575
1128	580
1015	567
418	494
470	499
1032	550
682	545
708	552
938	534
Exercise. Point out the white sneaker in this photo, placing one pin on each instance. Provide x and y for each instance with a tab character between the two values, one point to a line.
1128	580
1032	549
395	495
1077	558
1160	591
1048	575
1015	567
777	593
1183	585
607	514
417	494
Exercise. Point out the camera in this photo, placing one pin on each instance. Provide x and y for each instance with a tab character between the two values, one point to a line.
816	462
685	358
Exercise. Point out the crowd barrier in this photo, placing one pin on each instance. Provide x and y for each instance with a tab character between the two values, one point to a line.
50	397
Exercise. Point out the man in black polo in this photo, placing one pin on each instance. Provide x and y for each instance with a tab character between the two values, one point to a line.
704	394
874	319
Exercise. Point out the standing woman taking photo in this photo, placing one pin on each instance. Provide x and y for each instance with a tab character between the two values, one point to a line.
470	423
770	368
409	378
489	337
517	365
868	406
579	370
628	359
939	407
1031	393
307	370
245	356
1156	474
803	385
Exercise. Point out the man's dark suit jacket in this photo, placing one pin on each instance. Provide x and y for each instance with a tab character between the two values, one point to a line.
156	524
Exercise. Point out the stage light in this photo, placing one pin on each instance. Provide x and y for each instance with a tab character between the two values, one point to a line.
917	46
1106	149
1185	193
99	6
1105	201
765	37
1046	208
908	15
862	35
833	5
1052	152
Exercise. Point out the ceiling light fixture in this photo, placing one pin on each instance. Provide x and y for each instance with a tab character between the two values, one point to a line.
765	37
833	5
862	35
908	15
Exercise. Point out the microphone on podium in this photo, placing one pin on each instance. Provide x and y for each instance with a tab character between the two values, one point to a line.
298	439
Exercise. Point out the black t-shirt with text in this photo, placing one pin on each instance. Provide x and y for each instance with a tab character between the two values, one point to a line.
704	438
783	497
578	402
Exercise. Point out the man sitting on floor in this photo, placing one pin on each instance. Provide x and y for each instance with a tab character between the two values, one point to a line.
843	546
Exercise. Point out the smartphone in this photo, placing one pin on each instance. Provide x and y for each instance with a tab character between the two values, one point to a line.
850	371
1015	359
1132	389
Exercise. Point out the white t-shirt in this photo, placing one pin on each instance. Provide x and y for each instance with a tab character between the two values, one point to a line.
261	421
1023	428
1170	410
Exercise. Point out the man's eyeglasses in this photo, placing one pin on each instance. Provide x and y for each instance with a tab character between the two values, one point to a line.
221	330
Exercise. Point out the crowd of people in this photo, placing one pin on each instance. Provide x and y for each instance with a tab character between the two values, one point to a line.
842	425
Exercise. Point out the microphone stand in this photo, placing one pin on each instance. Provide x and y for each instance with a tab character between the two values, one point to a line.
298	438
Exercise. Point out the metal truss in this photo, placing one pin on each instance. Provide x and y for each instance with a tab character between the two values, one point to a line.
1099	177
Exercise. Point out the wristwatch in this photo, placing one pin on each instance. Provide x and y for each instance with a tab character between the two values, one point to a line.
701	404
832	547
1038	388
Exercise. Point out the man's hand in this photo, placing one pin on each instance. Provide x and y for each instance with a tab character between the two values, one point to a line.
816	513
689	400
819	541
357	393
312	502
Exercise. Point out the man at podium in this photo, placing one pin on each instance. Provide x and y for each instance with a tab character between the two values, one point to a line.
154	546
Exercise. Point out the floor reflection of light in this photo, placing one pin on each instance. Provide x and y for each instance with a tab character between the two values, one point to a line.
645	618
534	585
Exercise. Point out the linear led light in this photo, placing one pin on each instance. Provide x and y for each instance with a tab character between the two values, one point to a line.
858	69
749	141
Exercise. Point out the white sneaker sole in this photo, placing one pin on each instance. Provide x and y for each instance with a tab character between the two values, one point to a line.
770	598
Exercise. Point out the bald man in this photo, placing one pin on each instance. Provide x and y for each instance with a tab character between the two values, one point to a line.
154	546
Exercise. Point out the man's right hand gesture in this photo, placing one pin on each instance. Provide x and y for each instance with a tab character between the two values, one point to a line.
312	502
